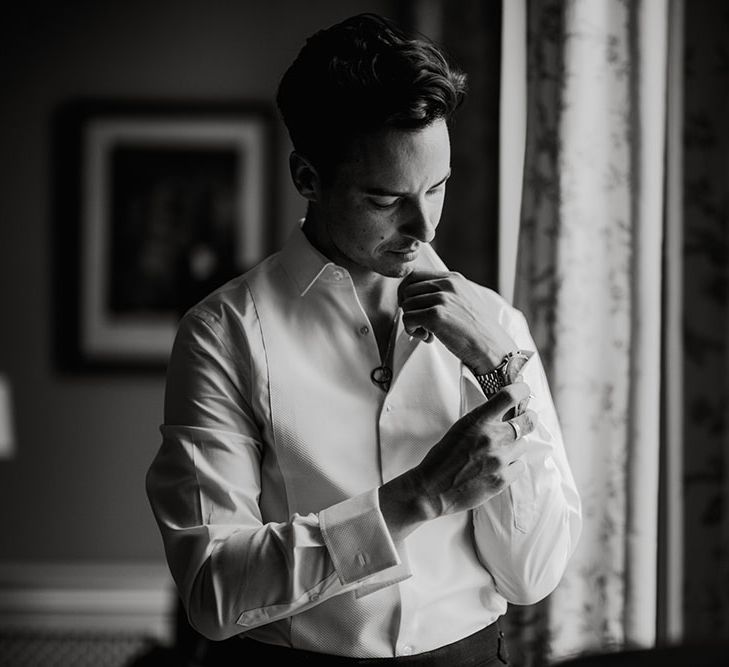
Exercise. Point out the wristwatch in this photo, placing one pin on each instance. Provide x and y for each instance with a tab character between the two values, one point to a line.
505	373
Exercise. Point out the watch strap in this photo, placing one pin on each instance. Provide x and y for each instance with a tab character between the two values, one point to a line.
499	377
491	382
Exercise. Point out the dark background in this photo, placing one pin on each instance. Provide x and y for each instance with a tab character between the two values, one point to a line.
74	491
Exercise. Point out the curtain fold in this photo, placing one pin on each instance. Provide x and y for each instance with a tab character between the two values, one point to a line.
649	36
588	279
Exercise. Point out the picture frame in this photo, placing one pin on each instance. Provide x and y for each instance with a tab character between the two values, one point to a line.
157	205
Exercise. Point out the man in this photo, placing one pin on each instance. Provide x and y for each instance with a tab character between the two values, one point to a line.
349	470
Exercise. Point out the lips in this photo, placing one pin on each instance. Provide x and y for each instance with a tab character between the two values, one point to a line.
409	250
405	256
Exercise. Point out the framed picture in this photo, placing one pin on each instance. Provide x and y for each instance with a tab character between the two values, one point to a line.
157	205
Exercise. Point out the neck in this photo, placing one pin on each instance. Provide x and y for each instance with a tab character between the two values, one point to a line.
377	293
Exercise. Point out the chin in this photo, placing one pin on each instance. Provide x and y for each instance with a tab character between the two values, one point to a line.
399	270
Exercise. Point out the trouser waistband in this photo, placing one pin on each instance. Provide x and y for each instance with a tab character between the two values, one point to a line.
485	647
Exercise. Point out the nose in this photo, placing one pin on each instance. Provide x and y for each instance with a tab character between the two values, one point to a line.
420	223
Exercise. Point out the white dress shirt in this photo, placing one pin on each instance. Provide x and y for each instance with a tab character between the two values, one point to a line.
275	441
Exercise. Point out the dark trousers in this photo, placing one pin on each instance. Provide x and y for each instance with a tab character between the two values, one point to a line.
485	648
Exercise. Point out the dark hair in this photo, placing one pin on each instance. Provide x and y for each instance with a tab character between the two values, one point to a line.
359	75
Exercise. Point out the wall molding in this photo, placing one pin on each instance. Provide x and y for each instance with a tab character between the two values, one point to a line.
96	597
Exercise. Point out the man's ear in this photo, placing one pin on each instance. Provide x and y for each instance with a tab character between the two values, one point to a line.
305	177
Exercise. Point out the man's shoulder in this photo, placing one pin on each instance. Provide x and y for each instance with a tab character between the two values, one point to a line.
236	295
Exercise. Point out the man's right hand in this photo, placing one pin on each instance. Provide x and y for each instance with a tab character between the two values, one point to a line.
475	460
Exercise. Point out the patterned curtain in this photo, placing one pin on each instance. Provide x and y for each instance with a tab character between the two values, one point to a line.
589	282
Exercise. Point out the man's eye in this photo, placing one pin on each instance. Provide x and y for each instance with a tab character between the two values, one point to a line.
385	202
437	190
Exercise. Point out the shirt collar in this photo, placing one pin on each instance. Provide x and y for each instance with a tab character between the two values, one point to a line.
306	265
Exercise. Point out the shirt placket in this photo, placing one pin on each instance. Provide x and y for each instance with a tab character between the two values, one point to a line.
390	430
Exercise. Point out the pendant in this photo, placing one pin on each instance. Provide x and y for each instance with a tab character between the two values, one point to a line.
381	376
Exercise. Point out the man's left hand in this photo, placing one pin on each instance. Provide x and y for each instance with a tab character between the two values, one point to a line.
446	305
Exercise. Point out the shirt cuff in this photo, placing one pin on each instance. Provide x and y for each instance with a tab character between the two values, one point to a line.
356	536
471	391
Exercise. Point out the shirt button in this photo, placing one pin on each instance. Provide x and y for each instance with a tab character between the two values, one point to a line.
364	330
338	275
314	597
407	650
388	408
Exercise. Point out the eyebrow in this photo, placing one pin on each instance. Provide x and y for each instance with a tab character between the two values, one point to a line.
383	192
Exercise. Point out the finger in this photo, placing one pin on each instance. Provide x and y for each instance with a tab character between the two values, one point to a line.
417	319
423	301
507	398
514	470
523	424
422	334
520	408
494	409
416	276
522	405
429	286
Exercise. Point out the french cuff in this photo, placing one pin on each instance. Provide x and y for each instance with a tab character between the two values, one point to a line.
356	536
388	577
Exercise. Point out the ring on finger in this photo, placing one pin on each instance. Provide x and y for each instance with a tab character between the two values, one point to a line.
517	429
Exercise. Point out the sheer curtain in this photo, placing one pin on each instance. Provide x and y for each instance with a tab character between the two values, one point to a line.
589	280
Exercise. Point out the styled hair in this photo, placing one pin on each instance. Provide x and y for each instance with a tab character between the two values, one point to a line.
361	75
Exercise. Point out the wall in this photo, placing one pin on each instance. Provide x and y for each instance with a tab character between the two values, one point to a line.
706	321
74	490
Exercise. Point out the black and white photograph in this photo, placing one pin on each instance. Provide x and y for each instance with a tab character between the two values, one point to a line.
364	333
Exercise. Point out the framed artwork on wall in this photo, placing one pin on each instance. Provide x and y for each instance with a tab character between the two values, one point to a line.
156	205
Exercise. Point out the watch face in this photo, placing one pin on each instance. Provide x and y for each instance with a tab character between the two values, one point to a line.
515	364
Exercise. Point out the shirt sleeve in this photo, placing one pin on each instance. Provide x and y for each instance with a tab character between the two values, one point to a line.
526	535
234	571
